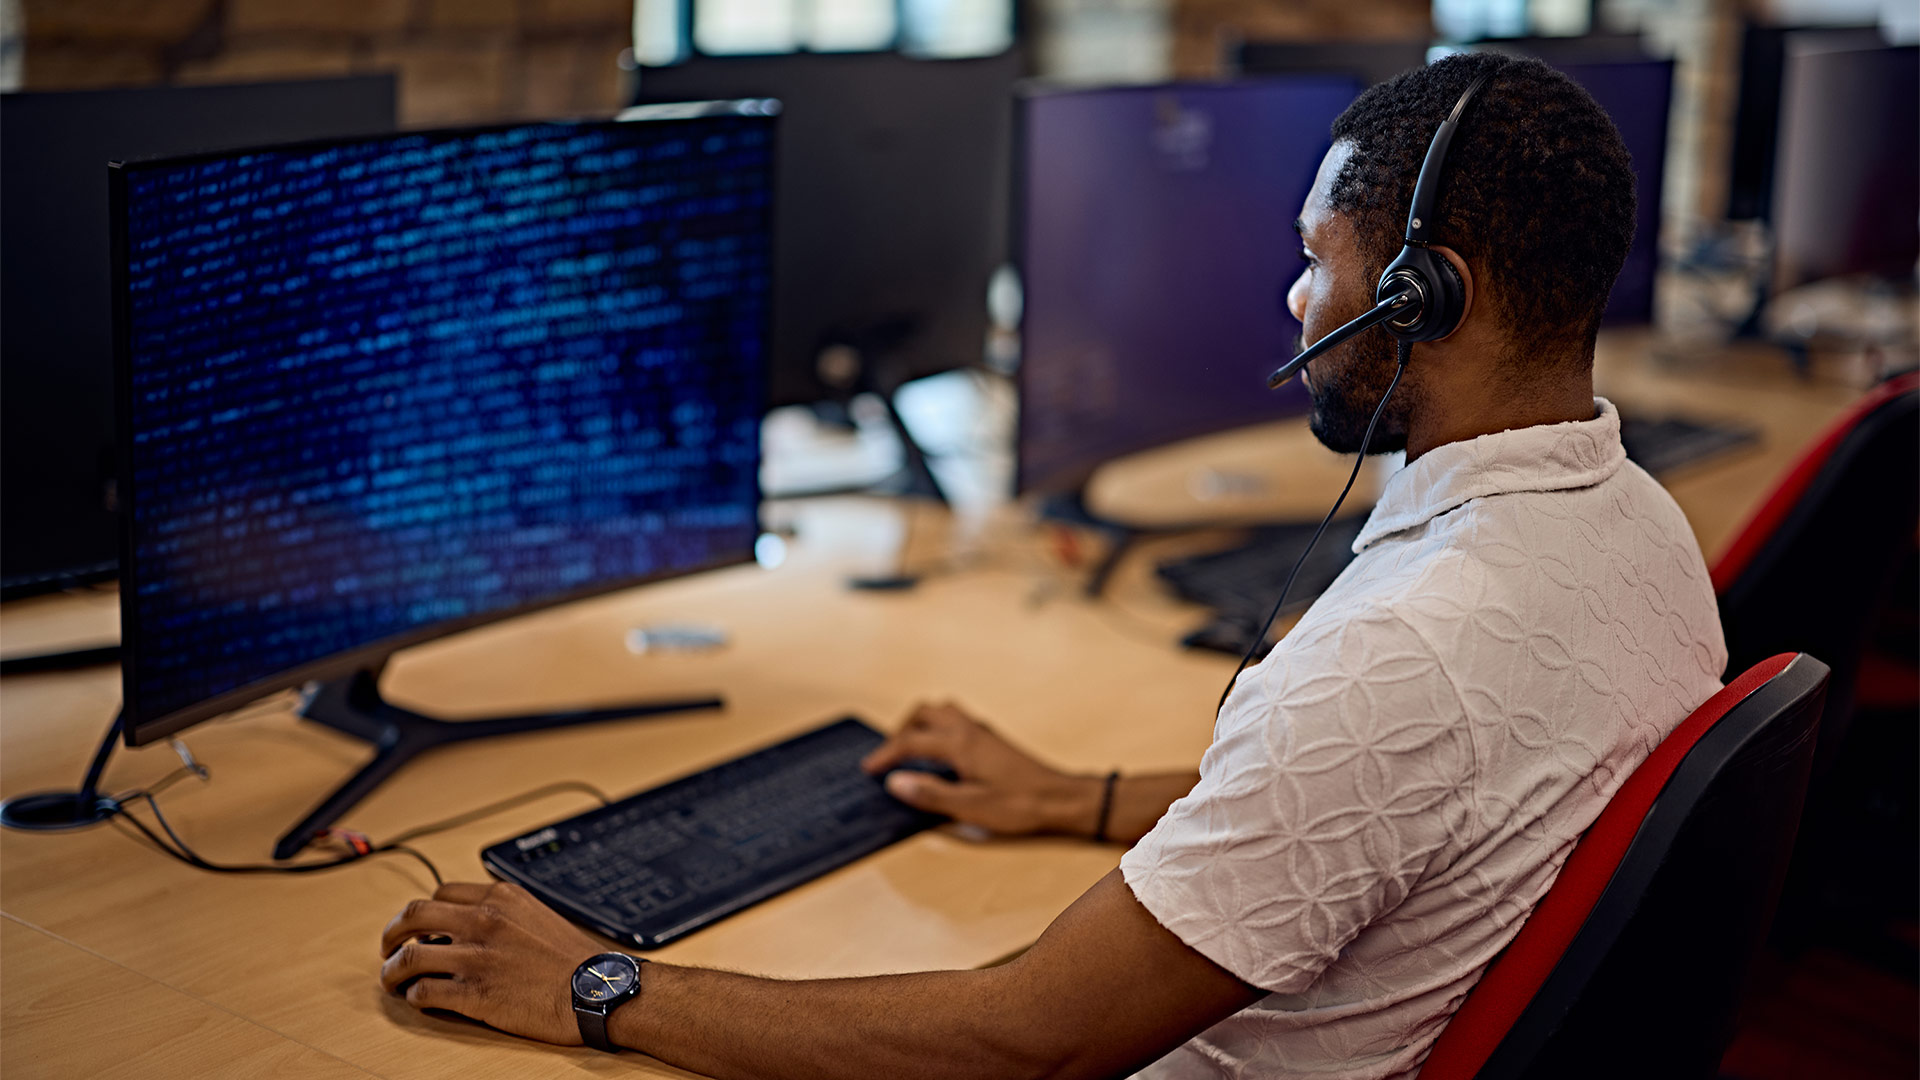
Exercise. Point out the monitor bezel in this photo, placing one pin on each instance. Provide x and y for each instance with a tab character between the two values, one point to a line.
140	730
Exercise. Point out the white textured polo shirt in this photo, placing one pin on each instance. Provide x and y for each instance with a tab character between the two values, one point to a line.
1394	788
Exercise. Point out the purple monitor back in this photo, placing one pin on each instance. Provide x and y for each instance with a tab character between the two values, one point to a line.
1637	95
1157	248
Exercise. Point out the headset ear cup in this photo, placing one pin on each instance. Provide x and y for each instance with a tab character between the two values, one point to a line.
1441	293
1451	303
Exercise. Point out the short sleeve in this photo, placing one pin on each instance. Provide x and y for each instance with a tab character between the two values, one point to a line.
1340	774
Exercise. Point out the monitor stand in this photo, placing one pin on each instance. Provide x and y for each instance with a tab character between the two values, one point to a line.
353	705
44	811
875	357
914	478
1071	508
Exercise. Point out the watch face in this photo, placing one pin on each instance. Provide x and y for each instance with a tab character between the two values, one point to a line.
606	977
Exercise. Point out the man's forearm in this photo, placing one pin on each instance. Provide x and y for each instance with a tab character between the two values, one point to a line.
1138	804
936	1024
1105	990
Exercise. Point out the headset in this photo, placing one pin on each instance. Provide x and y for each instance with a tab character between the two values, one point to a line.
1420	297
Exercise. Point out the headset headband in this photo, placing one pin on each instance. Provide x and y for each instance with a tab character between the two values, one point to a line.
1426	190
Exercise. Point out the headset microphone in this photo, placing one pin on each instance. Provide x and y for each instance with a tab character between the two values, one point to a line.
1382	311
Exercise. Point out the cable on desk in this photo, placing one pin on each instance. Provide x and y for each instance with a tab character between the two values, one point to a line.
501	806
179	850
359	846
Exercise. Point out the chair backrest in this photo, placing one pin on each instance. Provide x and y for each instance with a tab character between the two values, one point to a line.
1632	964
1811	570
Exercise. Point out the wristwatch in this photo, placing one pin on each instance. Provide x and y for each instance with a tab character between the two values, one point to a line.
600	985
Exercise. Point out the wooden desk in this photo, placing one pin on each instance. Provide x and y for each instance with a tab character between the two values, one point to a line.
113	953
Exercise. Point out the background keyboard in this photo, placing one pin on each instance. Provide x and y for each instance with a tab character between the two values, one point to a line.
656	866
1241	584
1661	444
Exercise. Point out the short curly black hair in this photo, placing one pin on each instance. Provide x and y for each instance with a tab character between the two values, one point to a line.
1538	195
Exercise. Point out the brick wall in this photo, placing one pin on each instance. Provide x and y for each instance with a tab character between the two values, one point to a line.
1201	27
459	61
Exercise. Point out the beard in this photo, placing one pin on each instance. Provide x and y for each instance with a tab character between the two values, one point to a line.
1346	387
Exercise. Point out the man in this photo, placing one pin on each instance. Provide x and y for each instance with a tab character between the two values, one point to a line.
1389	793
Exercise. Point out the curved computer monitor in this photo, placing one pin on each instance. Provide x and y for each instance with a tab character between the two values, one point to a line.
58	524
378	391
1156	250
893	206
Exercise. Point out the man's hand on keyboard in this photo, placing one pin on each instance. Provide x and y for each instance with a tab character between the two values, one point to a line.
507	959
1001	788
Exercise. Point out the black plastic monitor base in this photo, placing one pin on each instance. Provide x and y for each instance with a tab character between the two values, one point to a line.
45	811
353	705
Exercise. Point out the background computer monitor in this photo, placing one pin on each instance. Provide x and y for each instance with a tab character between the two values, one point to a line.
57	520
893	207
1156	252
374	392
1847	197
1572	49
1756	121
1370	62
1638	96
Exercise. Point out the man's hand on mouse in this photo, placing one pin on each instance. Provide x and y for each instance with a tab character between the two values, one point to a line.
1000	788
490	952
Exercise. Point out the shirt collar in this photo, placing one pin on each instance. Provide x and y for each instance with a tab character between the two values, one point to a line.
1548	457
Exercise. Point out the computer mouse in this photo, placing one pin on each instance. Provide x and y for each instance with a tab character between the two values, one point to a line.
425	939
930	766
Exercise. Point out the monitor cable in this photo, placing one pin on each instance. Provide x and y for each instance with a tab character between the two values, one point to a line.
358	845
87	806
1366	442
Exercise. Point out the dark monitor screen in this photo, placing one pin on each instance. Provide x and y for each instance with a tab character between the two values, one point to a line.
893	204
1756	118
57	519
1369	61
1158	247
377	391
1847	196
1637	95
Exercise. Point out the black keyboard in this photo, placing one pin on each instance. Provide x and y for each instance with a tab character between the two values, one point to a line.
1242	584
661	864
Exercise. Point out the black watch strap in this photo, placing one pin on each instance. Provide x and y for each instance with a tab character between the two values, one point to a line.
593	1028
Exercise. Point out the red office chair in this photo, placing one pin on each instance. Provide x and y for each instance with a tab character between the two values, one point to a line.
1813	569
1818	569
1633	963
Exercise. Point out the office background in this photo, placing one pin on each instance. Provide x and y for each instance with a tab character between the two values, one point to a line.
483	61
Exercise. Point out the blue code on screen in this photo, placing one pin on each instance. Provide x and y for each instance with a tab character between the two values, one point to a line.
377	386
